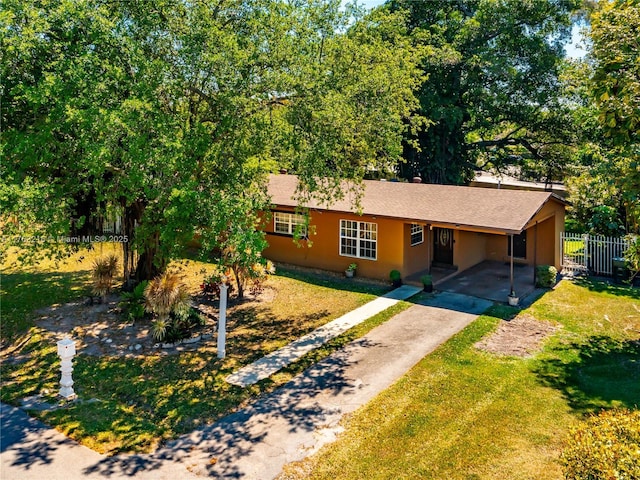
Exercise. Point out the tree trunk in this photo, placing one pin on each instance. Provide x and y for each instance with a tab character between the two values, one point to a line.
131	214
239	280
147	265
150	265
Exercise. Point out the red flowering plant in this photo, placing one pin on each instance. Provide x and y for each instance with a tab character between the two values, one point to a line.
210	286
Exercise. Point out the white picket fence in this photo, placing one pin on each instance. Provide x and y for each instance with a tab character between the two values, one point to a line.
591	254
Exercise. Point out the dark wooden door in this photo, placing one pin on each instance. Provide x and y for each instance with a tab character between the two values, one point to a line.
519	245
443	246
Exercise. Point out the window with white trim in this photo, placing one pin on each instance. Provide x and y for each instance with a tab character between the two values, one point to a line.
358	239
417	234
289	223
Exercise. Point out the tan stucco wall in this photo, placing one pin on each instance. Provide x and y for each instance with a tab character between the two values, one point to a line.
395	252
496	248
469	249
550	220
324	252
416	258
547	245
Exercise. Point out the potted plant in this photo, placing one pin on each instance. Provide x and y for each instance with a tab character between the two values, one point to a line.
427	283
513	299
351	270
394	276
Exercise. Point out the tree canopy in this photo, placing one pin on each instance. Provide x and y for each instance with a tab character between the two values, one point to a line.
172	113
606	195
492	89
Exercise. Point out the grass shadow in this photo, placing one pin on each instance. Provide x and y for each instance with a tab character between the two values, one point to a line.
24	292
607	285
599	372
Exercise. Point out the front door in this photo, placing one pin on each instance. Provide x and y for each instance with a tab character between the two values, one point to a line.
443	246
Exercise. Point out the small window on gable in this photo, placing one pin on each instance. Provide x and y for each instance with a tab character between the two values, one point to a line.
417	234
287	223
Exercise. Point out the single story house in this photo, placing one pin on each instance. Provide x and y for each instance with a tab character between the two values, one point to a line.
411	227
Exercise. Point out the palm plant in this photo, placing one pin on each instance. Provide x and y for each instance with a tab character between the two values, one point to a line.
104	273
166	295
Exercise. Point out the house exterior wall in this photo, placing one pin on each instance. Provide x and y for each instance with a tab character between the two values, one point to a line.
469	249
394	250
550	222
544	246
324	253
496	248
417	257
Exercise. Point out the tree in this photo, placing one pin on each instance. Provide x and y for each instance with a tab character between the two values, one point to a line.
492	85
615	37
172	113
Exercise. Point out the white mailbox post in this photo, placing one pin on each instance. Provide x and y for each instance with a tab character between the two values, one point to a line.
66	351
222	321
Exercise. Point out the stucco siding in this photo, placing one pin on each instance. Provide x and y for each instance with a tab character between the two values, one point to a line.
471	245
416	258
496	247
469	249
324	252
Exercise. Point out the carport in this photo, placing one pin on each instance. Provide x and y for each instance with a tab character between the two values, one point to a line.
490	280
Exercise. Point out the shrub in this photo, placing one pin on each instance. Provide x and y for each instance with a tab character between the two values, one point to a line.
632	255
270	268
159	329
104	274
426	279
167	294
546	276
394	276
211	285
168	299
132	302
176	326
604	446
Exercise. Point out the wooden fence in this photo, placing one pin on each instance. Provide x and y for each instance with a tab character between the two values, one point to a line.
591	254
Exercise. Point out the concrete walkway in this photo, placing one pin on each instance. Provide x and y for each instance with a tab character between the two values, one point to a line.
270	364
287	425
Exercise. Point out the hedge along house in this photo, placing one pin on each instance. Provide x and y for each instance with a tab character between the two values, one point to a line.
411	227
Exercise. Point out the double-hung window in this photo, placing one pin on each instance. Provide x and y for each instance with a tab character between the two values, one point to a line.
358	239
287	223
417	234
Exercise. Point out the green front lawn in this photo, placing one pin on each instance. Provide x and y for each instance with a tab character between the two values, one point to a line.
466	414
132	404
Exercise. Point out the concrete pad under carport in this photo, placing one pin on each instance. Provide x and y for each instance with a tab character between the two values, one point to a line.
491	281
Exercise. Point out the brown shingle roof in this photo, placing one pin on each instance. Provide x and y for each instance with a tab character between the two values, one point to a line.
506	211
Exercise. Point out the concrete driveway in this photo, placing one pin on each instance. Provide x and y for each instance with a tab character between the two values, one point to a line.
257	441
299	418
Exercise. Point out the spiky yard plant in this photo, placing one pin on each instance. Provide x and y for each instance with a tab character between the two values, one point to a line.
166	295
159	328
104	274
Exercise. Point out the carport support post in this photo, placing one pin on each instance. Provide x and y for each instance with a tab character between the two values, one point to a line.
222	321
511	292
535	254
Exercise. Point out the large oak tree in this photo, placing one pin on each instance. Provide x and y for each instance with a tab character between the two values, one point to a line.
171	113
492	88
